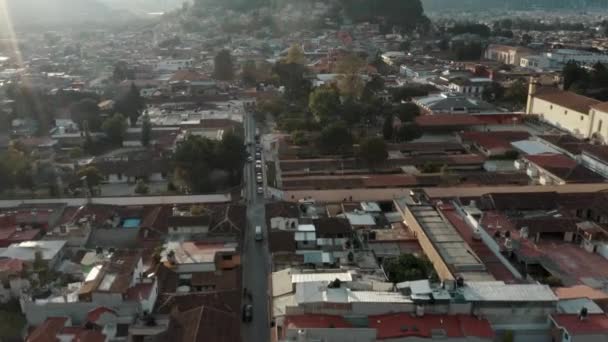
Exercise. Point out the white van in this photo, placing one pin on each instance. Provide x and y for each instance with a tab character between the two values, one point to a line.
258	233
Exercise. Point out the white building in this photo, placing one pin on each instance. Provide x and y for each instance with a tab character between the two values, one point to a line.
174	64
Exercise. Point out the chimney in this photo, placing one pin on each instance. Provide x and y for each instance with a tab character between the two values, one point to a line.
583	314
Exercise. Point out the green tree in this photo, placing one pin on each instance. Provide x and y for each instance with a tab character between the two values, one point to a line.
295	55
408	267
122	72
299	138
349	80
86	110
493	92
573	73
249	74
335	139
141	188
131	104
517	93
232	153
406	15
387	128
409	132
146	131
324	103
205	165
223	68
292	77
373	151
91	176
406	112
115	128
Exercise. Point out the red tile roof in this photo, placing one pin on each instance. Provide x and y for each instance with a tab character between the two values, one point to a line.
139	291
48	330
89	336
567	99
400	325
564	167
95	314
11	265
593	324
551	160
315	321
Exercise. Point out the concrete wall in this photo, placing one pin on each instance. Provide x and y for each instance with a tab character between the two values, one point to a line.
334	335
124	200
363	308
572	121
38	313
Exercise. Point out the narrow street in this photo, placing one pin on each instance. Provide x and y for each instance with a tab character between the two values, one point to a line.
255	253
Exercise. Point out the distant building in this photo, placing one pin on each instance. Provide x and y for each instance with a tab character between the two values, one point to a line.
510	55
452	103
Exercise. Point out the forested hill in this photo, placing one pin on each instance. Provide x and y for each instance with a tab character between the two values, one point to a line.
24	13
472	5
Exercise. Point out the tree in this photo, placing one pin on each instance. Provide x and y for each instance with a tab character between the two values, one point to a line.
205	165
90	176
291	76
223	68
146	131
335	139
324	103
141	188
373	151
122	72
299	138
403	14
409	132
349	80
232	153
494	92
573	73
86	110
295	55
249	73
408	267
407	112
387	128
526	39
115	128
131	104
517	93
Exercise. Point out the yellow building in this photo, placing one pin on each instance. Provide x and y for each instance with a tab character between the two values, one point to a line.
579	115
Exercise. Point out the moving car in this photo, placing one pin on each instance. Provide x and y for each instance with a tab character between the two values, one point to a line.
260	190
250	159
258	233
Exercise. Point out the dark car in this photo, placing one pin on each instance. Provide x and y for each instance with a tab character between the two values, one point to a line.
247	313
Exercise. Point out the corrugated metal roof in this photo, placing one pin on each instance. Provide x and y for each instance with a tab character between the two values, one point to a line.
501	292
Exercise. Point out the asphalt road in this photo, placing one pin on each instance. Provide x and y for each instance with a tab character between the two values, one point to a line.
256	259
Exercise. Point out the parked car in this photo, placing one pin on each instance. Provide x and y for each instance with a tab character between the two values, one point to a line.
247	313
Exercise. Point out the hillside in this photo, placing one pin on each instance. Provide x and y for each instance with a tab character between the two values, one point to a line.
28	13
472	5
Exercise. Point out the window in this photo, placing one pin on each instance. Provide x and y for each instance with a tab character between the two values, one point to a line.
582	118
599	126
551	107
565	112
227	257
